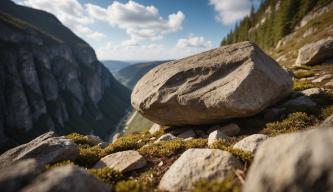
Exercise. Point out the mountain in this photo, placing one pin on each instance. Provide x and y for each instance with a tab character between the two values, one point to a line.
128	76
50	79
114	66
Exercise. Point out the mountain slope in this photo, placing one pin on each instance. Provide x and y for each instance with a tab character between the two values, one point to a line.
114	66
50	79
128	76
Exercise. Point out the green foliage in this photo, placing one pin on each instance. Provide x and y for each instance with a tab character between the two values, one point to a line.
59	164
302	85
304	74
242	155
108	175
172	147
133	186
89	155
78	138
294	122
228	185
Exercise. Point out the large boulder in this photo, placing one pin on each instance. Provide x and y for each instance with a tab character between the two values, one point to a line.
196	164
238	80
45	149
16	176
123	161
316	52
294	162
67	178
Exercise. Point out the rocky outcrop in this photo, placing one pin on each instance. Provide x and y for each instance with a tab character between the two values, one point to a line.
316	52
295	162
196	164
67	178
14	177
123	161
45	149
223	83
250	143
51	80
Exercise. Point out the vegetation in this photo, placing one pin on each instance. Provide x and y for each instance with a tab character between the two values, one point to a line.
303	74
133	186
242	155
78	138
302	85
59	164
108	175
230	184
89	155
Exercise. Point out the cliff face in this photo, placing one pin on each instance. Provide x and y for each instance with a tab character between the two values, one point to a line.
51	80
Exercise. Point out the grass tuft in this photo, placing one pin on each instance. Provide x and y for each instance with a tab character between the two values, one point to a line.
108	175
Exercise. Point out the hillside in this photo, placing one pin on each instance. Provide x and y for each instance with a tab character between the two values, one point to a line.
51	80
114	66
128	76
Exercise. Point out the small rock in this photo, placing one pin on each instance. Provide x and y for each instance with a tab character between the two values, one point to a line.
251	143
322	78
301	101
123	161
103	144
166	137
46	149
67	178
196	164
329	84
160	164
115	137
93	139
311	91
187	134
293	162
215	136
16	176
155	128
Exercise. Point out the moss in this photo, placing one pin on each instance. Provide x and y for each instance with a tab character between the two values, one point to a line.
133	186
294	122
172	147
326	112
89	155
302	85
59	164
304	74
242	155
304	67
78	138
108	175
230	184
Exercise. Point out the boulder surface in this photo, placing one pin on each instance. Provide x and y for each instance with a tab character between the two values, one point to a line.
227	82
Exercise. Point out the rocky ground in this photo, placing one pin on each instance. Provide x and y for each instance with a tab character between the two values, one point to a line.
274	136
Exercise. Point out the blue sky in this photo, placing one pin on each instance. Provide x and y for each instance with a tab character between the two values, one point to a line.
147	29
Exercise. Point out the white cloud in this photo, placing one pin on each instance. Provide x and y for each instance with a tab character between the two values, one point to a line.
230	11
193	42
140	22
70	12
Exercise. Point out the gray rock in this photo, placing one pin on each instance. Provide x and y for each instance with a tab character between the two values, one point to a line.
316	52
187	134
322	78
251	143
196	164
215	136
311	91
123	161
155	128
274	113
302	101
166	137
93	139
293	162
223	83
16	176
45	149
67	178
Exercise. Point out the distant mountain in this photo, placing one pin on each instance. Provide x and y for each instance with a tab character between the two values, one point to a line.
50	79
128	76
114	66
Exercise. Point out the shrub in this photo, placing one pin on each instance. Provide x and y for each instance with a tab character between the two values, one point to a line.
78	138
133	186
242	155
302	85
108	175
228	185
172	147
59	164
294	122
89	155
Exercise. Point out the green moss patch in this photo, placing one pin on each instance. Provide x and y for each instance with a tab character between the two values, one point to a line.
230	184
59	164
133	186
108	175
89	155
242	155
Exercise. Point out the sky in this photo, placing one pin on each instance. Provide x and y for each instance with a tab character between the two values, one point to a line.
147	29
